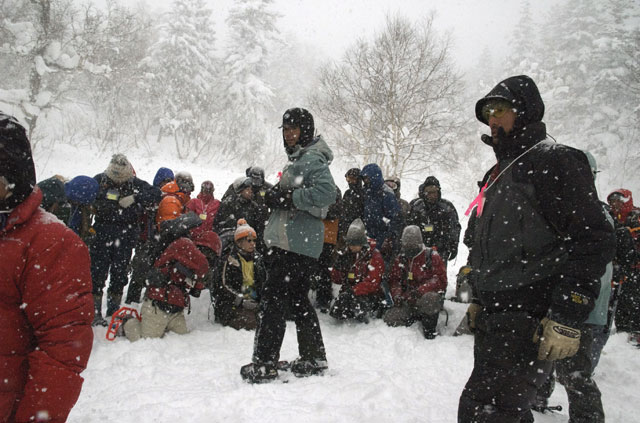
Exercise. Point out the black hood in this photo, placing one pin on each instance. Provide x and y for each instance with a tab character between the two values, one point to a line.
16	162
430	180
303	119
528	128
520	91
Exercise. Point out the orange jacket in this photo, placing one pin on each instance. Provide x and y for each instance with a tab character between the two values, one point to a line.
172	204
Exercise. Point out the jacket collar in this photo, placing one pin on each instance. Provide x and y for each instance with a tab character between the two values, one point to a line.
23	211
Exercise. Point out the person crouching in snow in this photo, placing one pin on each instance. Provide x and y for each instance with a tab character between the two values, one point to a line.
242	274
359	270
418	282
176	275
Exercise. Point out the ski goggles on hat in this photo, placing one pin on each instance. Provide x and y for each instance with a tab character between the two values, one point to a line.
496	108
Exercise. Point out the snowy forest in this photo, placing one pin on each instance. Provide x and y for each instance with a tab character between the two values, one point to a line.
119	75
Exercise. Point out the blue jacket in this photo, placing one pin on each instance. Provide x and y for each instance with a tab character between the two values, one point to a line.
382	214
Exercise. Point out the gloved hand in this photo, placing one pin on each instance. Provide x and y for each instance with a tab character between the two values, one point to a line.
127	201
472	312
557	341
275	198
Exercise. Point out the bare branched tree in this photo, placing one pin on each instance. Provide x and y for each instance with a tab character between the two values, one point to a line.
394	101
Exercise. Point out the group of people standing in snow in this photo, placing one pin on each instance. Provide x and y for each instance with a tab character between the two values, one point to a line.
544	253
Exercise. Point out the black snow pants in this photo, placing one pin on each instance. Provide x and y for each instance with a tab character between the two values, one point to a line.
110	255
574	373
627	316
286	291
506	373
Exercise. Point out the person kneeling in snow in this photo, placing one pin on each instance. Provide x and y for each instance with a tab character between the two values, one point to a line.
176	275
418	282
242	274
359	270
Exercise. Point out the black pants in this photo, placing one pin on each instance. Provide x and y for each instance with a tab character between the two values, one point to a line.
322	277
574	373
287	287
627	316
110	254
506	373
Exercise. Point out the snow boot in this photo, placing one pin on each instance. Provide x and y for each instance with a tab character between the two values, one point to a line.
429	325
113	303
98	320
259	372
304	368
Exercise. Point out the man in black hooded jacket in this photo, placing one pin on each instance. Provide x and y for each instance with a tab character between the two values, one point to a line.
539	242
437	219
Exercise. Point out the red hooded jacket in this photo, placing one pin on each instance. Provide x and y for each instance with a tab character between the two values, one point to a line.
423	273
365	272
627	205
46	310
206	207
176	291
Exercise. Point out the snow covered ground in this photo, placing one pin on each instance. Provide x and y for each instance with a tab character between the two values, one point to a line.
376	373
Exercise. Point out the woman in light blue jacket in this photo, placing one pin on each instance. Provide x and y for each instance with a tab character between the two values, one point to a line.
294	235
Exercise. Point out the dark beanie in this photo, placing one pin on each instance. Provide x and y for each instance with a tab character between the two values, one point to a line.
354	172
52	192
16	162
241	183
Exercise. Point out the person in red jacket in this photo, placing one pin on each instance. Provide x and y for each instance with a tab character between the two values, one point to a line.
359	270
418	282
621	203
46	308
176	275
205	206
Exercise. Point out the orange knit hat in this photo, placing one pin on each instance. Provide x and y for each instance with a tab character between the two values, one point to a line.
243	230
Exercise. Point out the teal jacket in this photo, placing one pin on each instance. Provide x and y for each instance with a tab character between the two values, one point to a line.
598	315
300	230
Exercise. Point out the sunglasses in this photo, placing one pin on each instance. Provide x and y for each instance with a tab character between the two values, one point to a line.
496	109
250	240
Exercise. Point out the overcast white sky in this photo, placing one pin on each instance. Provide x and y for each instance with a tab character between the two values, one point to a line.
333	25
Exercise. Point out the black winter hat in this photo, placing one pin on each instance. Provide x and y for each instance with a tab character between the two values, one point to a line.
522	93
16	162
52	192
431	180
256	173
241	183
354	172
302	118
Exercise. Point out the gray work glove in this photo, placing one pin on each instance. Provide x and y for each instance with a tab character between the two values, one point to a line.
127	201
557	341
